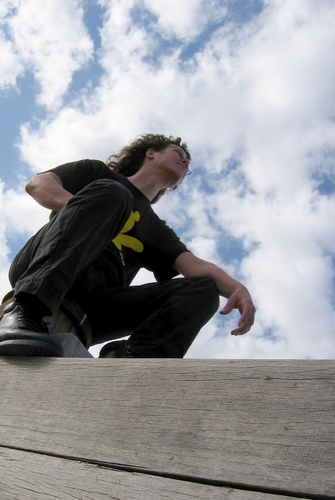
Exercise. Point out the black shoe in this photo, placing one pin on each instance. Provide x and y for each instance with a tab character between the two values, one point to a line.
118	349
24	334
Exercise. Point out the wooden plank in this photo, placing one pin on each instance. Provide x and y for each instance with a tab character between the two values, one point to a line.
29	476
257	423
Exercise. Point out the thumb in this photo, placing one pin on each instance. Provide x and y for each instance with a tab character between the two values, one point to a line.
228	307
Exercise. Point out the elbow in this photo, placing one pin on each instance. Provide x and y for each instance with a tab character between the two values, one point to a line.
30	187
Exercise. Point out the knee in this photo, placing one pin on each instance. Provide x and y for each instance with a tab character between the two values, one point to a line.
109	193
108	187
211	287
207	289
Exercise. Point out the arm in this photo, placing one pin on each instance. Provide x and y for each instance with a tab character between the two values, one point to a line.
238	296
48	191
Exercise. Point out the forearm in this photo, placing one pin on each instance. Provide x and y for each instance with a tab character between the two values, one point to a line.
189	265
226	285
48	191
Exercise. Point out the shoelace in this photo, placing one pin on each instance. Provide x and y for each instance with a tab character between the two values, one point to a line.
29	321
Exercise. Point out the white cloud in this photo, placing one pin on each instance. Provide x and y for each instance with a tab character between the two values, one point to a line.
10	66
185	20
22	214
49	39
255	105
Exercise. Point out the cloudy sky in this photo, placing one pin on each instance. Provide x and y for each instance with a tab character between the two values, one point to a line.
248	84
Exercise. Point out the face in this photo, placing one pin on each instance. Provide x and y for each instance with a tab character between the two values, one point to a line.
175	156
182	155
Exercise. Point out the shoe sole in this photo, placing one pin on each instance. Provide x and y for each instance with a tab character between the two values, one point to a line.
29	348
118	349
26	341
112	350
115	353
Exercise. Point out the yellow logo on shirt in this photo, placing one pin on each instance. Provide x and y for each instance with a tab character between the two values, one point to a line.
123	239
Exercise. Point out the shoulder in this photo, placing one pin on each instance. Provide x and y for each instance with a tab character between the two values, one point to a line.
79	165
77	174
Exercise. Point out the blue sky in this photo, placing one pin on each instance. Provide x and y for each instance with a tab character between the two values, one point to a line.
249	85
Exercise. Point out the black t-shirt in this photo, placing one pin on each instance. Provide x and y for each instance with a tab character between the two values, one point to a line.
145	241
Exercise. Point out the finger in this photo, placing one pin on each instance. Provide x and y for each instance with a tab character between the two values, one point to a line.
239	331
245	323
227	308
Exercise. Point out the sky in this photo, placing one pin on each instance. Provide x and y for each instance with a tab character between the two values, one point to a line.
248	84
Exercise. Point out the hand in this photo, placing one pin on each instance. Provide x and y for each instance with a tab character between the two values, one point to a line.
240	299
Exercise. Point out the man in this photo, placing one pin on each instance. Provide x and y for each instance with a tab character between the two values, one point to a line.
102	230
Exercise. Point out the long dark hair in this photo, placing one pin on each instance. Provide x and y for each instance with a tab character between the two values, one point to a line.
129	160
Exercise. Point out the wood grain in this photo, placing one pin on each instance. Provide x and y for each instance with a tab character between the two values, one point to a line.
257	423
27	476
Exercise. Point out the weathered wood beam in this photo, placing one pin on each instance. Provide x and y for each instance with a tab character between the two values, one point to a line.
263	425
27	476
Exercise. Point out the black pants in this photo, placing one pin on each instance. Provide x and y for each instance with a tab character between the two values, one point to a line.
60	259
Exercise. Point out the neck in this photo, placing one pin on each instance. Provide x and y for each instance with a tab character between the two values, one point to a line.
148	183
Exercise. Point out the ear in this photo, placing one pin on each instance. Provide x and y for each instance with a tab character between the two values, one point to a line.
150	153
